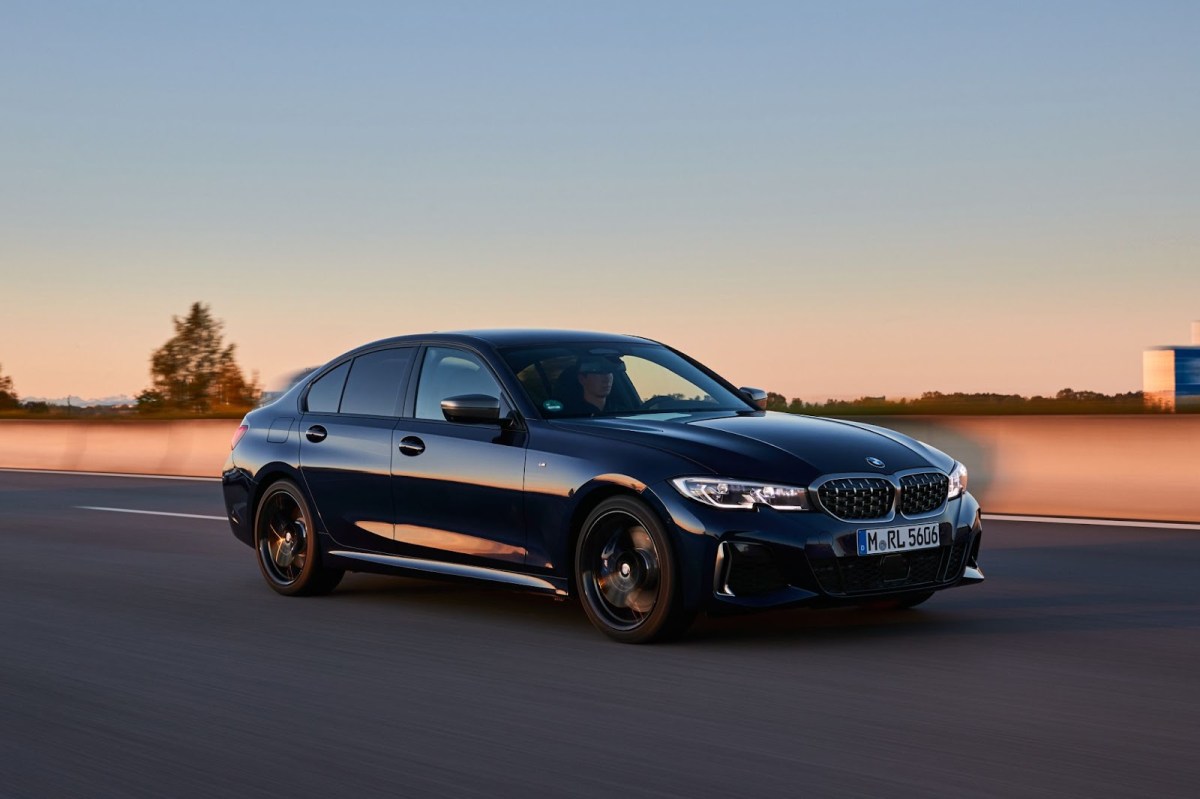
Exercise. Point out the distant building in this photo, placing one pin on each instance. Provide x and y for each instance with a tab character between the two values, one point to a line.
1171	375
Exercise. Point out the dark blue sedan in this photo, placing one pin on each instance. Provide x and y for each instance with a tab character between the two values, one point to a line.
612	468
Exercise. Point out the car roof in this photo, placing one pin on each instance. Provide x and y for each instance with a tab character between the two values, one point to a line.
530	337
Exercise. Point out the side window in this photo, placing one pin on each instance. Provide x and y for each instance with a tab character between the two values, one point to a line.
326	392
448	372
376	380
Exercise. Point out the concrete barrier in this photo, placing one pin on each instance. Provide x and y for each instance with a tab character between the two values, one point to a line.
1115	467
188	448
1119	467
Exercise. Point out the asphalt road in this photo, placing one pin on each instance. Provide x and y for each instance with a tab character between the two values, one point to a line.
141	655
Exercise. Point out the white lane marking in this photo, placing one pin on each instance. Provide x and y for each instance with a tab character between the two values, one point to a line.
111	474
1001	517
153	513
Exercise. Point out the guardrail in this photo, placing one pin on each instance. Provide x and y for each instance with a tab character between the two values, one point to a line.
1118	467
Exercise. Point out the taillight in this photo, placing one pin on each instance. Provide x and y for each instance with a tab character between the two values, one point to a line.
237	435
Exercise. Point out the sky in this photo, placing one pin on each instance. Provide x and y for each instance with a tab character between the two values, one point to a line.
821	199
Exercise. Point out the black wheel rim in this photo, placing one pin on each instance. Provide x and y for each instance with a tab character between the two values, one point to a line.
282	538
620	570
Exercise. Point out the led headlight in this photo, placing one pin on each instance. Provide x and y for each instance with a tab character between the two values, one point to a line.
722	492
958	480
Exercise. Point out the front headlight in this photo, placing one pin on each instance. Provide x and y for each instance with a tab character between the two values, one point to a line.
722	492
958	480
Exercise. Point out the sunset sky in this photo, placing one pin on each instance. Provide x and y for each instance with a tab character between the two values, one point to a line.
822	199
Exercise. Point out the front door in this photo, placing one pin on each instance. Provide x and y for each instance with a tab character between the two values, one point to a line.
458	487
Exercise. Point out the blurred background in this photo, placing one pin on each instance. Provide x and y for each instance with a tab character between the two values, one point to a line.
827	200
974	222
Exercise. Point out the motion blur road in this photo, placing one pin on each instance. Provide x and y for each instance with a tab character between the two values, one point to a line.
142	655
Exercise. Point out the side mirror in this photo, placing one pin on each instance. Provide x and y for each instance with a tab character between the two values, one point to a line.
756	396
472	409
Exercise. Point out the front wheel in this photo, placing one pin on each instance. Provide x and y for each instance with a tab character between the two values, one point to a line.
286	543
626	574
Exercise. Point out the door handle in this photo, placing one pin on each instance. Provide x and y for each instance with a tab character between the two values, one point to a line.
316	434
411	445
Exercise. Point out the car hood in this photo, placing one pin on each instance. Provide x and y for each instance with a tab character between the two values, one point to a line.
768	446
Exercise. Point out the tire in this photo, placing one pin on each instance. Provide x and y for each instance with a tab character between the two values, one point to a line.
626	574
285	542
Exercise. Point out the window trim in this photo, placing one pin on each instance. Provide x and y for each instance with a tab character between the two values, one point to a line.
313	381
401	397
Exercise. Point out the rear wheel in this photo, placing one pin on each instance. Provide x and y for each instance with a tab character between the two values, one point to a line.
286	543
626	574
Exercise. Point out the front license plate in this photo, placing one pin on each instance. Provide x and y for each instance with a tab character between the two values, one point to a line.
898	539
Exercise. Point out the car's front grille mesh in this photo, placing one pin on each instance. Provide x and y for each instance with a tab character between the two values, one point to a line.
752	569
954	566
923	567
923	493
859	575
826	572
857	497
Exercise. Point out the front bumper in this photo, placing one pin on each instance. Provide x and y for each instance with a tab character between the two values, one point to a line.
767	558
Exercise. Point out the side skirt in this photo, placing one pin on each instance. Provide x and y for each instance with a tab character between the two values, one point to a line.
549	585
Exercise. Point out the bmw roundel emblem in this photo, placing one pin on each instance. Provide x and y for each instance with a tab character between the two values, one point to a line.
878	464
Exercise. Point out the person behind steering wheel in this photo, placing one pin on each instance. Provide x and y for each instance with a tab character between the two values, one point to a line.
595	378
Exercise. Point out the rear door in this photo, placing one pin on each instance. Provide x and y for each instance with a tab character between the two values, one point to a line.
346	446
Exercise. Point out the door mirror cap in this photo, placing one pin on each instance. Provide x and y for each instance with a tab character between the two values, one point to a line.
472	409
755	396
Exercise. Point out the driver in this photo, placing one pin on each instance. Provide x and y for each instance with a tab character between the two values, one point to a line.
596	381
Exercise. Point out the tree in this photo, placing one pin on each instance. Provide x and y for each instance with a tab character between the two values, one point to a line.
8	395
195	370
776	402
151	401
231	389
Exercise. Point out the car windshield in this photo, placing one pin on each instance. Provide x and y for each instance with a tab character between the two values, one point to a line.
615	379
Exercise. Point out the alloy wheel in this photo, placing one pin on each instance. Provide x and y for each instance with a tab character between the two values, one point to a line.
283	538
621	572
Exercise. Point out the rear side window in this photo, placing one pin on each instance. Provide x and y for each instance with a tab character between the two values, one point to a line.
326	392
376	382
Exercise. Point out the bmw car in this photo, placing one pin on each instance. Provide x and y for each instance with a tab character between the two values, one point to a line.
610	468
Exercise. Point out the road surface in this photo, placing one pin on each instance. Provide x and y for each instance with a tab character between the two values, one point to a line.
143	656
